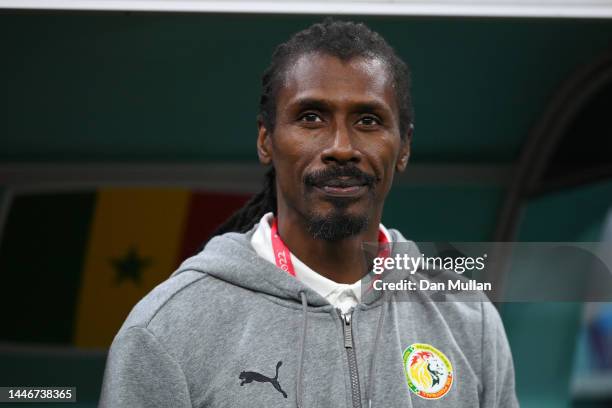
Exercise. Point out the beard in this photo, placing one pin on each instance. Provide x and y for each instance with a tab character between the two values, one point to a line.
337	225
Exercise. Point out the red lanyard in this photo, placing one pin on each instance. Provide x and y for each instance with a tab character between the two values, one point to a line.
282	255
281	252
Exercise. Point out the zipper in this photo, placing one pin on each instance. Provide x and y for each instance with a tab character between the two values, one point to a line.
349	346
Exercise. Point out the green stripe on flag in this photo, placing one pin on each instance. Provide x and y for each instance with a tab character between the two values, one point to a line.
41	259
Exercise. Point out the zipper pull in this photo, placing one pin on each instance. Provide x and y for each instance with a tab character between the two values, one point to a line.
348	332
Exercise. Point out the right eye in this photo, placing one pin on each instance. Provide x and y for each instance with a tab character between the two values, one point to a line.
310	117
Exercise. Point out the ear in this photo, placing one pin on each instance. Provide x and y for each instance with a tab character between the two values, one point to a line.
404	153
264	147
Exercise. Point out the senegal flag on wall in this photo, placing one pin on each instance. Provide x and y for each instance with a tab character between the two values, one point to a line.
72	265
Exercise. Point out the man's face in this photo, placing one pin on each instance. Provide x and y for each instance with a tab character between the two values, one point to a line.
336	143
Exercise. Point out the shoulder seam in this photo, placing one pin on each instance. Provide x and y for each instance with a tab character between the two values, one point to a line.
150	333
146	325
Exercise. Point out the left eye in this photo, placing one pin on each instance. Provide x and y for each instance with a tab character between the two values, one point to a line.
368	121
310	117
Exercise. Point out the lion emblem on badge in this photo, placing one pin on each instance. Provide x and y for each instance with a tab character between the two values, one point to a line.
426	369
429	372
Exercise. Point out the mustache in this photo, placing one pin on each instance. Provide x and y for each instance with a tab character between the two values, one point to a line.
330	176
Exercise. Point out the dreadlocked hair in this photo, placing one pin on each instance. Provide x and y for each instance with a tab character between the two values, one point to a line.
341	39
260	204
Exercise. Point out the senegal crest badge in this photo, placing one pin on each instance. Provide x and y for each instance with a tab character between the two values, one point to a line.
428	371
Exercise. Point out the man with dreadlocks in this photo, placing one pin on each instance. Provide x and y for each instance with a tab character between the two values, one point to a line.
280	294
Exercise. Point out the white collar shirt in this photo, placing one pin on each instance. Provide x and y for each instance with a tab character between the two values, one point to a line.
341	295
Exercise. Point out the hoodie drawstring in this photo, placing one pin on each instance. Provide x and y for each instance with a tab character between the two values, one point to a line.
379	330
299	380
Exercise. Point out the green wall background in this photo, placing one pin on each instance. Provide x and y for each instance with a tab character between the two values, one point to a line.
135	87
171	87
543	335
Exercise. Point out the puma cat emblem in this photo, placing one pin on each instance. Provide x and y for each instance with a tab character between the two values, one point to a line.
248	377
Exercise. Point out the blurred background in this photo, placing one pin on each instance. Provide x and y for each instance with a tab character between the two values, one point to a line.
128	134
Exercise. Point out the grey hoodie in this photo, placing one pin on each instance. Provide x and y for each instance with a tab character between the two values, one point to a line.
229	329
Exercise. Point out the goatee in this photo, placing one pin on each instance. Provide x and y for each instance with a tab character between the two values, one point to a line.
336	226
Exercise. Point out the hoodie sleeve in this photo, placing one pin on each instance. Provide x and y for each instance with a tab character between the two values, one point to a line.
140	373
497	367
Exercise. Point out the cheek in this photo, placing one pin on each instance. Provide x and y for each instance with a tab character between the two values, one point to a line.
384	157
291	157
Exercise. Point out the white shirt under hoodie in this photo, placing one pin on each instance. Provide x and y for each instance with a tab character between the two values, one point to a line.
341	295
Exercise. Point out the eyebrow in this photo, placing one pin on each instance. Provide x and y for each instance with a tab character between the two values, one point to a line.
311	103
318	104
372	107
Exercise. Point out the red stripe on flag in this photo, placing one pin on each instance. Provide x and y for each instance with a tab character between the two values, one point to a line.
206	211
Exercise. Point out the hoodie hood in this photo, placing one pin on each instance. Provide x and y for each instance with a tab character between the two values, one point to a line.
199	332
230	257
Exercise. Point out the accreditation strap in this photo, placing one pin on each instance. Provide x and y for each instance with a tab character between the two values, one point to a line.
282	255
384	249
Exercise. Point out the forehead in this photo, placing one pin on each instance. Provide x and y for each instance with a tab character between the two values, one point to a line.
322	76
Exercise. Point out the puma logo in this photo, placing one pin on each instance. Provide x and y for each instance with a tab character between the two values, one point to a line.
250	376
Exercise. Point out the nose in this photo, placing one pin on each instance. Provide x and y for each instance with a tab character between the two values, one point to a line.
342	149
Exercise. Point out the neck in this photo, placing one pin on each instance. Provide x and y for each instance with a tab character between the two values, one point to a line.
342	261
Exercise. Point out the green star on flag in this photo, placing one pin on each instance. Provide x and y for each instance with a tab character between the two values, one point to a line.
130	266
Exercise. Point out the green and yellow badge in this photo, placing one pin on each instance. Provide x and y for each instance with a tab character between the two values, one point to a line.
428	371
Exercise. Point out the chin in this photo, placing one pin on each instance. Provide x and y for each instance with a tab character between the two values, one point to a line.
336	224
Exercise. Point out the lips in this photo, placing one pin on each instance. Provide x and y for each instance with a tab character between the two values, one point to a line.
342	183
343	187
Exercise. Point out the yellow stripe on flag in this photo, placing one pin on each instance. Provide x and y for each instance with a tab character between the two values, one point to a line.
134	242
